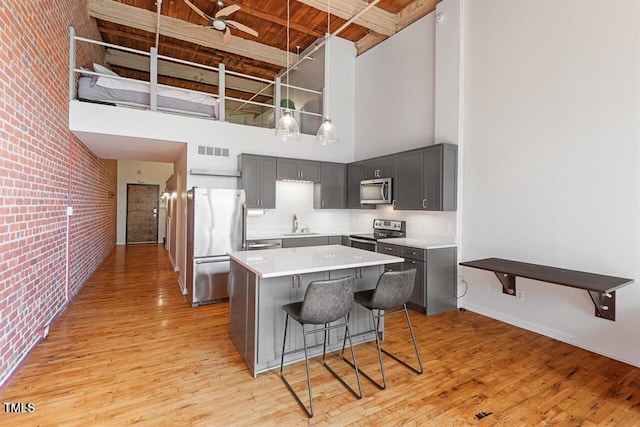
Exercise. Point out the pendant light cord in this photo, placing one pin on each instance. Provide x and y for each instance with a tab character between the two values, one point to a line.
326	54
288	25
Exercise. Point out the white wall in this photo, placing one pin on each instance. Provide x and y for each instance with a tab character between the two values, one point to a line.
552	161
297	198
135	172
395	111
394	92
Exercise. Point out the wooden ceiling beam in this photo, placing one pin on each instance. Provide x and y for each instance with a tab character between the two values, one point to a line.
184	72
142	19
376	19
367	42
280	21
414	11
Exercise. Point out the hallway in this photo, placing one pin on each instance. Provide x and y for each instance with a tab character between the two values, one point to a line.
130	350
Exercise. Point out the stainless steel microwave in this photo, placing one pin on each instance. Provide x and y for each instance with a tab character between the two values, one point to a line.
375	191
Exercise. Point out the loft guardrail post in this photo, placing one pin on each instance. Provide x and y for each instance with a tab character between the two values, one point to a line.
276	101
72	62
221	92
153	68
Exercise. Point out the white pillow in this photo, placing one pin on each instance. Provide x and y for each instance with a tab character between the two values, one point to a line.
103	70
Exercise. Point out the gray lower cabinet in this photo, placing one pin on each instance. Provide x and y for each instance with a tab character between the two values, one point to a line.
258	179
435	286
298	170
298	242
331	191
426	179
273	294
257	320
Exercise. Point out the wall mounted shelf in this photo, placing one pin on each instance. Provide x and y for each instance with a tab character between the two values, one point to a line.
601	288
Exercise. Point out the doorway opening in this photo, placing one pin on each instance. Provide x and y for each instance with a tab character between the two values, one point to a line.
142	213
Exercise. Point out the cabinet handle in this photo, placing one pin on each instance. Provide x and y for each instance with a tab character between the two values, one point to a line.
410	261
424	203
301	174
388	249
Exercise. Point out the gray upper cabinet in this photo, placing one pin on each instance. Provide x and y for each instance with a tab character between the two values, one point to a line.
258	179
331	191
426	179
380	167
298	170
441	177
355	174
408	181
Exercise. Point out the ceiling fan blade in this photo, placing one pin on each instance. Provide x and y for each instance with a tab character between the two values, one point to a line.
242	27
226	11
198	11
227	36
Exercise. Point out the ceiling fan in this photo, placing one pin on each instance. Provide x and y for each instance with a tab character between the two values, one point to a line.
221	22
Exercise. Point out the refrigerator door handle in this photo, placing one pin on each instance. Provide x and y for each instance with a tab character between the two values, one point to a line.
244	226
212	260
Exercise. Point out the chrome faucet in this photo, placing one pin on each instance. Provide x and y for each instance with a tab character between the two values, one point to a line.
294	227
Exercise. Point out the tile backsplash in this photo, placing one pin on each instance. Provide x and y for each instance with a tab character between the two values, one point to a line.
297	198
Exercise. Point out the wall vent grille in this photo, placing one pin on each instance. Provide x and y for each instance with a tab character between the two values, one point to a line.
207	150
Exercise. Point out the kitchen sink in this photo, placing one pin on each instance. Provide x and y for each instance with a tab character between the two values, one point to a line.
300	234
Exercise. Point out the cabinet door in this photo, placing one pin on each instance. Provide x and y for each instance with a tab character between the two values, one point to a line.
442	285
249	179
371	169
273	294
408	182
417	299
441	177
386	167
433	177
309	171
298	242
335	240
355	174
287	169
267	182
330	192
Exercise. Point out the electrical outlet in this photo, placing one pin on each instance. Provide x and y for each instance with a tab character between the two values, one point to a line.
520	294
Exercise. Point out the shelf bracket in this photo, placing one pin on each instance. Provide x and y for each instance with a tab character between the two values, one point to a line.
508	283
605	304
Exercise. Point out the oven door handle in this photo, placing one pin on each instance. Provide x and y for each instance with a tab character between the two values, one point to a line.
370	242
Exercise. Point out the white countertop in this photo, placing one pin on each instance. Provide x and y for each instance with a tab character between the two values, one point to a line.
282	235
427	242
285	262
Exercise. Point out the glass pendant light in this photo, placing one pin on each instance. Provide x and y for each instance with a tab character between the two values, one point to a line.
327	133
287	128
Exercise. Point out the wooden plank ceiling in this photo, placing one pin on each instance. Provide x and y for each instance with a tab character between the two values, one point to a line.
183	34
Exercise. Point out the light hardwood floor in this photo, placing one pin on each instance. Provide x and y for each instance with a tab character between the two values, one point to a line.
129	350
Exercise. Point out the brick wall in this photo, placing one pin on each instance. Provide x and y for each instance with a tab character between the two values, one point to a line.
44	168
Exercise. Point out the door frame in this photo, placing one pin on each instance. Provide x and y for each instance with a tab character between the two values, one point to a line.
126	220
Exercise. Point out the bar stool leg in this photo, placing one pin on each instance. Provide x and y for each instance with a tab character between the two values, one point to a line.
415	346
378	348
306	360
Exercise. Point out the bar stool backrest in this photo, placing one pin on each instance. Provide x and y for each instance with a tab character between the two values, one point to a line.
394	288
326	301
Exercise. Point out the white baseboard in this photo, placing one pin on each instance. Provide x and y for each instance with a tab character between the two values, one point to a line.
548	332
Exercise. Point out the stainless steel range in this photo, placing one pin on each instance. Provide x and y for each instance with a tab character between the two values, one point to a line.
382	229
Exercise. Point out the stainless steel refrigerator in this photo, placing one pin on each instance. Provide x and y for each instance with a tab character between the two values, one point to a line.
216	222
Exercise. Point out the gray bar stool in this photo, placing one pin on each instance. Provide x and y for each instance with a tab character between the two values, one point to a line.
394	288
325	301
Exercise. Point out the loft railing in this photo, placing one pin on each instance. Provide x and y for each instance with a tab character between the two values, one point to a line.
222	73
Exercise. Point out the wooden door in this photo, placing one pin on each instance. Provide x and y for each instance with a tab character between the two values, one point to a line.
142	213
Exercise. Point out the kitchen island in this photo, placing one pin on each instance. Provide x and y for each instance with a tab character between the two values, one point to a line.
261	282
